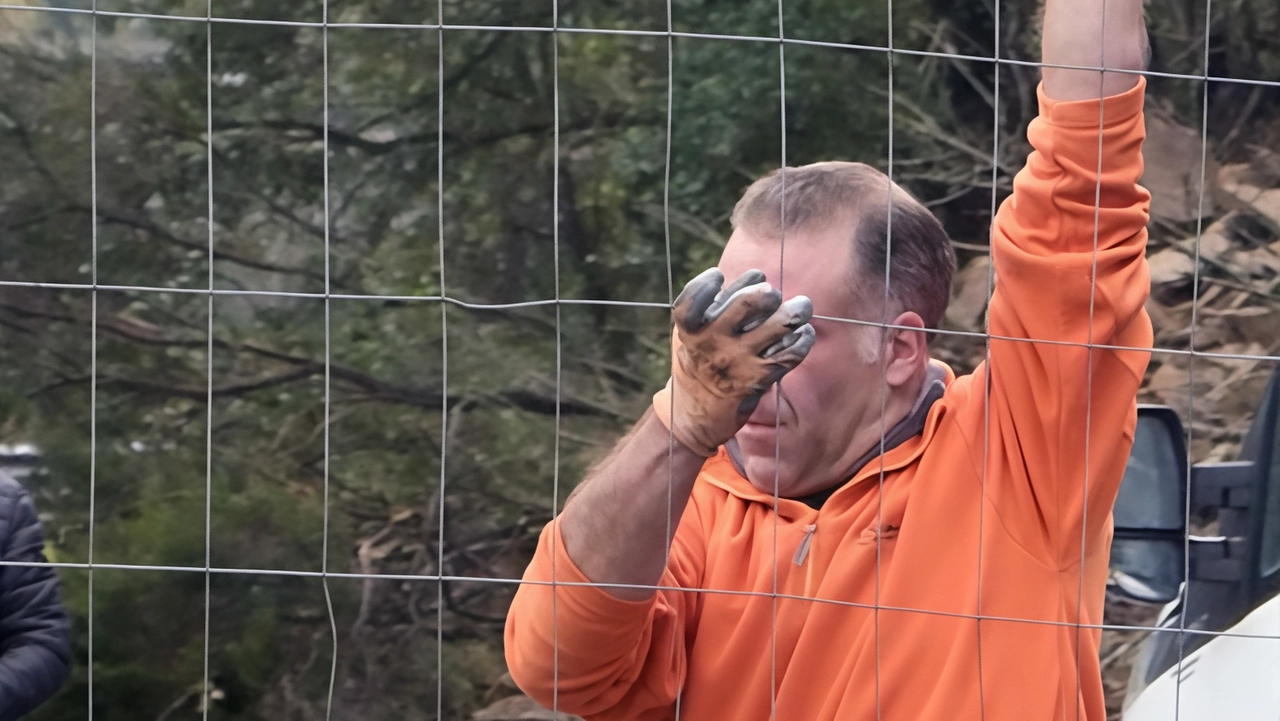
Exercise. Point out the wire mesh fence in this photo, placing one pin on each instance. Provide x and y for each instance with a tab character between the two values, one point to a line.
316	311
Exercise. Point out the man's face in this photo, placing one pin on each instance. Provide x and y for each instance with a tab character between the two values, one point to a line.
836	390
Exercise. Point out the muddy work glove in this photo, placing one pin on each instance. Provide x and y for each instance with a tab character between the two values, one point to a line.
729	346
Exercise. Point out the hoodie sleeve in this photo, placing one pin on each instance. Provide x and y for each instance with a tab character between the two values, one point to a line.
575	648
35	644
1070	338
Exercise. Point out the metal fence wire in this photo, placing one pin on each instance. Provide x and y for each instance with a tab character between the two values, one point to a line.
558	303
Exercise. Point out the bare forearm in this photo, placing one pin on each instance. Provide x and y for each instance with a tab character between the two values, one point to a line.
1092	33
618	525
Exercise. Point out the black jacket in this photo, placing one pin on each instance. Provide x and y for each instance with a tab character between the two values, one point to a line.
35	632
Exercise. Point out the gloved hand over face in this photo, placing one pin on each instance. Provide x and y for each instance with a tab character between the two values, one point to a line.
729	346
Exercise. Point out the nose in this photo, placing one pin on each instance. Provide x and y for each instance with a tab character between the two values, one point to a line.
767	411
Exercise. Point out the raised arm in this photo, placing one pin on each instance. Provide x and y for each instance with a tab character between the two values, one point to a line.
1069	253
1092	33
620	649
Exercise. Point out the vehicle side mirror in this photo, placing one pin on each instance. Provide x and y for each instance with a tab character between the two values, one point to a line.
1148	551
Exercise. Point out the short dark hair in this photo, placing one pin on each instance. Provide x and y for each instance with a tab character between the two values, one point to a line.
818	195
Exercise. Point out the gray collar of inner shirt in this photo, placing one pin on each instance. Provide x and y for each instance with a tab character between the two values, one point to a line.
910	426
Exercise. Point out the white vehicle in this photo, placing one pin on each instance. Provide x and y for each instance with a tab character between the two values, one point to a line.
1216	652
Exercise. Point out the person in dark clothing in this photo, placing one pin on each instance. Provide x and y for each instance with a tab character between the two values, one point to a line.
35	631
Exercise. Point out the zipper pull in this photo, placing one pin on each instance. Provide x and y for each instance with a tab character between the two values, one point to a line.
803	551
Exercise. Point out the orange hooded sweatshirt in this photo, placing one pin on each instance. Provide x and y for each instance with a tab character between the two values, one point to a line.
1000	508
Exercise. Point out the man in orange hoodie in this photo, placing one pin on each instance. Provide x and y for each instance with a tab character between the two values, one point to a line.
874	538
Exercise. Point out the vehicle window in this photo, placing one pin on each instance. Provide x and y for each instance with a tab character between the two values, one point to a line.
1150	496
1270	558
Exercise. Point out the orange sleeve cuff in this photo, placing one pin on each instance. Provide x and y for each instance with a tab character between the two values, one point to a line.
589	600
585	625
1085	114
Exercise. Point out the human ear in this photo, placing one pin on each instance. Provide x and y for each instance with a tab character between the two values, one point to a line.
906	349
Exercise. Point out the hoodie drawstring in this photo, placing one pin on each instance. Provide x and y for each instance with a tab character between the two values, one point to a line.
803	551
